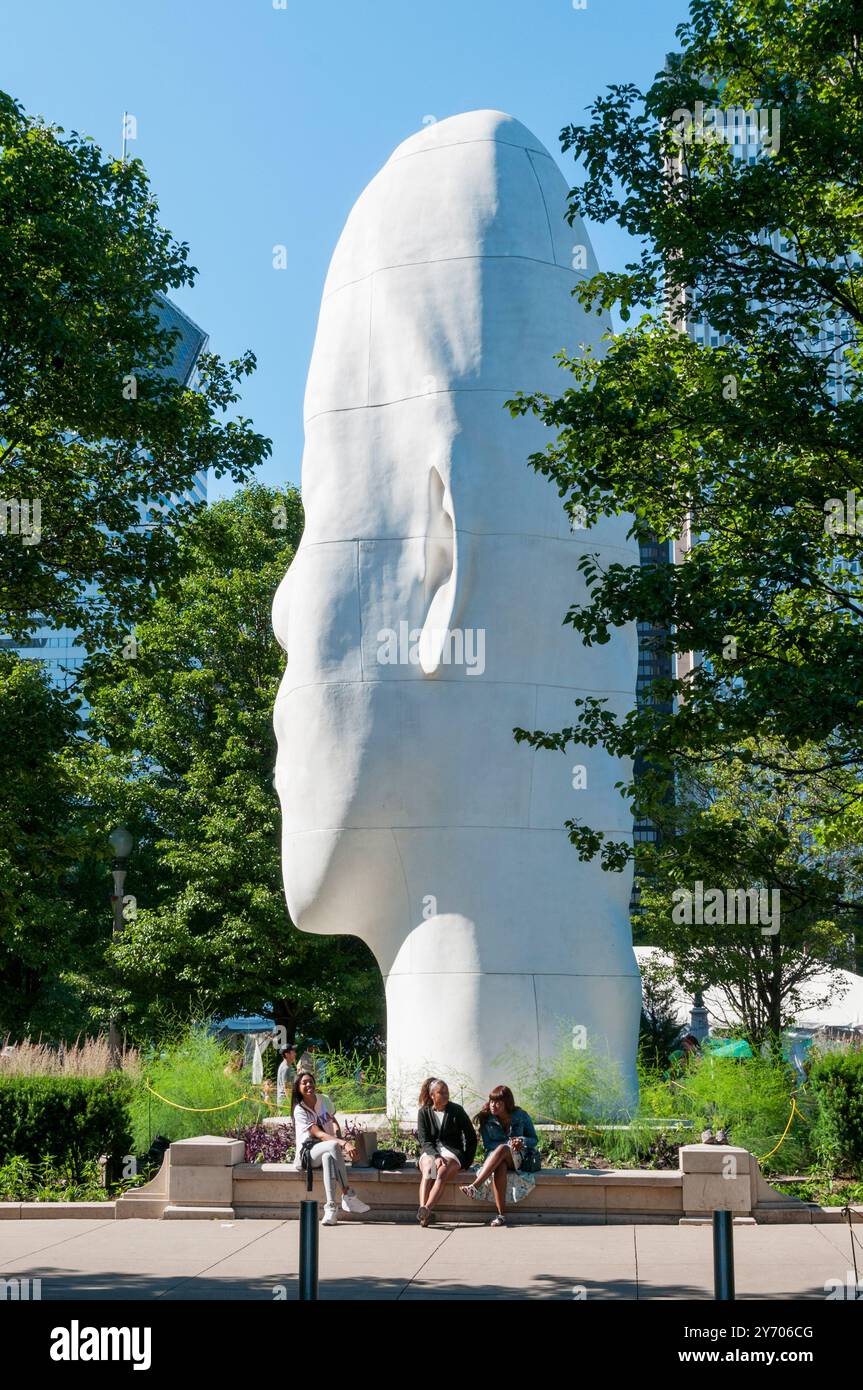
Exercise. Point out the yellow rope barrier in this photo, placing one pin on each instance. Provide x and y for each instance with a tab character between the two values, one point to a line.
794	1111
198	1109
256	1100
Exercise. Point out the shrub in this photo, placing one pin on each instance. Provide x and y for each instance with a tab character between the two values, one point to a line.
190	1073
69	1118
836	1082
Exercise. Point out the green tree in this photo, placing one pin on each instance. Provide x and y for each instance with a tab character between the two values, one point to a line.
748	445
660	1024
41	841
92	422
185	755
735	827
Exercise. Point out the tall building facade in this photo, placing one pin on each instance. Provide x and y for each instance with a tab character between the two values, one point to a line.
58	648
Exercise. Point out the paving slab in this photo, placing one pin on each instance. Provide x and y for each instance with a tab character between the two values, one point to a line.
258	1259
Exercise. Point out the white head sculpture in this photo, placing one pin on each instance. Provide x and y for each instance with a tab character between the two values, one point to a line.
423	617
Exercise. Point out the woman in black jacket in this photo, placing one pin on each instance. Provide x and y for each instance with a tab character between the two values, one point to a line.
447	1143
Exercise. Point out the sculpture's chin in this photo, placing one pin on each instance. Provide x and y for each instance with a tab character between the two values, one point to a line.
306	864
347	882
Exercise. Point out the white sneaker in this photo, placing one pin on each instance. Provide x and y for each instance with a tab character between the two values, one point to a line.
331	1214
351	1202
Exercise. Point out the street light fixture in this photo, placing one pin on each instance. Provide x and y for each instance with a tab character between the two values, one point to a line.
121	843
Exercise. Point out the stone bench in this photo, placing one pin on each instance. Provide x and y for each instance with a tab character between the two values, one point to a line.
208	1177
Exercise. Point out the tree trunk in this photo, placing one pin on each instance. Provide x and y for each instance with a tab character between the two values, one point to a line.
285	1016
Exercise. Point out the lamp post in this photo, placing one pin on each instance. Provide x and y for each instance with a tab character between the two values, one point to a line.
699	1025
121	843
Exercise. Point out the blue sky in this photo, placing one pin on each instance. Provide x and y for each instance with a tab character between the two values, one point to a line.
260	126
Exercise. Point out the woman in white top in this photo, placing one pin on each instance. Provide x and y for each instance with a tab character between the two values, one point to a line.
315	1126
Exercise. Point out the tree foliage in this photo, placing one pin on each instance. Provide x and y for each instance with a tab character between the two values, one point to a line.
93	421
747	443
732	826
41	843
185	755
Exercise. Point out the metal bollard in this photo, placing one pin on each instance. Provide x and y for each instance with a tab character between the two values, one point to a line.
308	1251
723	1256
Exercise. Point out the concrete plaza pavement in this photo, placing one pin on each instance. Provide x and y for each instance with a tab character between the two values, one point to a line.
253	1260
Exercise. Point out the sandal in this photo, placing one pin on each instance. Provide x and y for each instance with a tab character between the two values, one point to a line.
471	1190
423	1216
498	1221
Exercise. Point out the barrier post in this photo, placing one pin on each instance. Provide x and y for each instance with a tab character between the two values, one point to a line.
308	1242
308	1251
723	1256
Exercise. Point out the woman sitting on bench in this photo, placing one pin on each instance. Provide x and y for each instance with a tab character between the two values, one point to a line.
447	1143
511	1149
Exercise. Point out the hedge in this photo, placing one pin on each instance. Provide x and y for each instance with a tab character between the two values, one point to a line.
72	1118
836	1080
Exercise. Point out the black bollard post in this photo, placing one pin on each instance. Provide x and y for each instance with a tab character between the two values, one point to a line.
308	1251
723	1256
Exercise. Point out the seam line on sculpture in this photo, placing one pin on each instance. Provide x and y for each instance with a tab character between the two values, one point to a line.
420	396
360	613
536	1016
544	204
445	260
516	685
507	974
482	535
510	829
454	144
369	345
402	867
533	760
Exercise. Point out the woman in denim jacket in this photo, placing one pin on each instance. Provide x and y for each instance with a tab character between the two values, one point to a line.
510	1144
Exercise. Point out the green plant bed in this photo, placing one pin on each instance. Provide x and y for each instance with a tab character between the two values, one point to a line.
50	1180
749	1098
625	1146
827	1193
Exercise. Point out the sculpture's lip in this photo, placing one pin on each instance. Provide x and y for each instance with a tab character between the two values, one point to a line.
466	128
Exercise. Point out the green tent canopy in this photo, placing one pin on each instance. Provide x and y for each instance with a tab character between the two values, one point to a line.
726	1047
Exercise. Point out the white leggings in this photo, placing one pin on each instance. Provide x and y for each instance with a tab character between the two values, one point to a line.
330	1156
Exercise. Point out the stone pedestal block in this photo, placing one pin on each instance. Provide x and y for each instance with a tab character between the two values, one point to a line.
207	1151
716	1177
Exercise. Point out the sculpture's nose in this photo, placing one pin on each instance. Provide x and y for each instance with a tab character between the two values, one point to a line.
281	609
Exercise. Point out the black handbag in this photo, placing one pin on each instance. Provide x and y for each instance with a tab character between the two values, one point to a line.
388	1160
306	1163
530	1161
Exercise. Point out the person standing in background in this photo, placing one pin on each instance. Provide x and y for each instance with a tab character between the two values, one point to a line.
287	1073
311	1062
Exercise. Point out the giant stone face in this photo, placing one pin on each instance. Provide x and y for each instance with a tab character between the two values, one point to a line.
423	618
